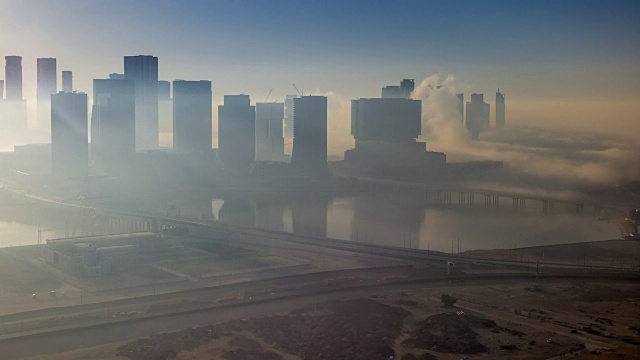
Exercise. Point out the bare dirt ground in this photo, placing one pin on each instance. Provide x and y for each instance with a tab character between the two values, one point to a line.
564	319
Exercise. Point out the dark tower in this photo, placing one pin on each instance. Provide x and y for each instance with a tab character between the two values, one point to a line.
477	115
461	106
47	85
237	133
192	116
113	119
143	70
67	81
269	135
309	135
500	118
13	77
69	136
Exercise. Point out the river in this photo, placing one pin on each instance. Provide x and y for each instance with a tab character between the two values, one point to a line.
385	219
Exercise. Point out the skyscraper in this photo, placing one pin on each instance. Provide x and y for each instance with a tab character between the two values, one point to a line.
143	70
113	124
385	131
237	133
403	91
13	77
269	135
192	116
309	135
67	81
69	136
461	106
500	118
1	89
47	85
477	115
288	121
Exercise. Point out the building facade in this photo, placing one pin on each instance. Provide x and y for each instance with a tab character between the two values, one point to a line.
269	132
69	136
143	70
113	124
500	116
13	77
477	115
399	92
192	116
67	81
385	132
47	85
461	106
309	154
237	133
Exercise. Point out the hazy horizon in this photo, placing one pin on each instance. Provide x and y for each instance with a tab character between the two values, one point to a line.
564	67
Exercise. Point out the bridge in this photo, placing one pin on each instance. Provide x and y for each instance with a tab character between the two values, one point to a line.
466	197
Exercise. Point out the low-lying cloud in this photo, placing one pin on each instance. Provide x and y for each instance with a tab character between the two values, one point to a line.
555	155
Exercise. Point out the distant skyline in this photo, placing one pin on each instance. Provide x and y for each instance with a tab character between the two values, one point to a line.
569	64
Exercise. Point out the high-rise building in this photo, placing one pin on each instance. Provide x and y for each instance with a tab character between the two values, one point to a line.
385	132
113	119
269	134
67	81
192	116
69	136
288	122
461	106
143	70
309	135
116	76
403	91
237	133
47	85
500	118
1	89
13	77
477	115
13	111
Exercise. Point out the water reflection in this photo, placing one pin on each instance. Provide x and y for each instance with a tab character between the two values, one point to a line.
384	219
409	222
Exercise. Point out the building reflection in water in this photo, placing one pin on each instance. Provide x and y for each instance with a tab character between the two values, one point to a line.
237	211
379	220
309	216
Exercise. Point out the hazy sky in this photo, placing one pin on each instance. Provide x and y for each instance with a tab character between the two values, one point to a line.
572	64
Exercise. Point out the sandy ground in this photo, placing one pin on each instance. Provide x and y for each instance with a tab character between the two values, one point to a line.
528	325
602	315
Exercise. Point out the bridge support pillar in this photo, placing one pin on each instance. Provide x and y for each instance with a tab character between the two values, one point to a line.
518	203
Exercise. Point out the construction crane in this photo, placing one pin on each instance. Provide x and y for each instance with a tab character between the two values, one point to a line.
265	100
299	93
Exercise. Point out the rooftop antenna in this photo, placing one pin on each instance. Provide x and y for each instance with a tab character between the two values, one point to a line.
299	93
265	100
